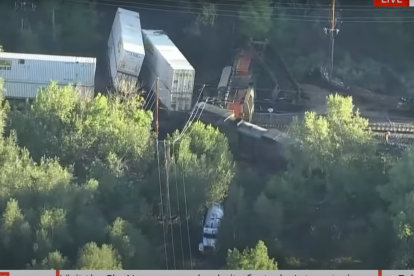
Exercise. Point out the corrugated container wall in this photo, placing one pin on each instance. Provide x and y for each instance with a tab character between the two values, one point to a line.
176	74
31	71
115	75
126	40
20	90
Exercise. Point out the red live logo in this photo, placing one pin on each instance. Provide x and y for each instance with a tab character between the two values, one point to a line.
391	3
4	273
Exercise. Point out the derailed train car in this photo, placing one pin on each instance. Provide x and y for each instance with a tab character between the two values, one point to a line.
264	146
247	141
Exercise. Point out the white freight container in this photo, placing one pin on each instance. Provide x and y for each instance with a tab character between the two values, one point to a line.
165	61
126	41
114	74
21	90
23	74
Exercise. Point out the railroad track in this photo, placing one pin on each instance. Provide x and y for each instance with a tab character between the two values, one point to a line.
282	122
398	139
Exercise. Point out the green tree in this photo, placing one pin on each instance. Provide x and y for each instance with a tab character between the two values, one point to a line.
135	249
107	138
93	257
202	162
398	193
52	232
235	227
15	235
251	259
334	171
1	88
54	260
256	19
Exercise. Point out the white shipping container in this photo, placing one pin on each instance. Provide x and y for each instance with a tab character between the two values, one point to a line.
21	90
114	74
126	40
176	74
32	70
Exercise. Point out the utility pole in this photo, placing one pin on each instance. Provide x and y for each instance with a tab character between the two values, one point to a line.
332	32
156	106
24	8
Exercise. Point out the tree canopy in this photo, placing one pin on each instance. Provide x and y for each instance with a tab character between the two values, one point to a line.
79	182
251	259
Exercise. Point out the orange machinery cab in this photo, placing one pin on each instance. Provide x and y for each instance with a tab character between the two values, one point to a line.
243	104
243	63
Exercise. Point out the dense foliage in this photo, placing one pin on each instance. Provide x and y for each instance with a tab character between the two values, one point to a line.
84	185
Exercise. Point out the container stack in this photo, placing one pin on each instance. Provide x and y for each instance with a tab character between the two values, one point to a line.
125	47
176	75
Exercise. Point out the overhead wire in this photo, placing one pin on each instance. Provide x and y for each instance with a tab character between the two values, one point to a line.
186	126
199	115
193	112
188	123
284	6
148	100
167	183
178	206
280	16
296	5
187	218
162	205
152	94
152	105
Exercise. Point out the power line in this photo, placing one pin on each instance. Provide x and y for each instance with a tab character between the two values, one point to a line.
157	87
297	6
167	156
167	187
159	174
186	216
186	126
194	111
199	115
178	206
152	94
281	16
162	205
